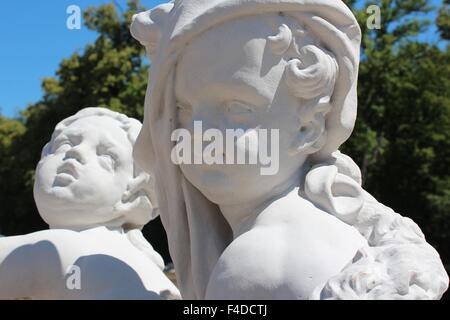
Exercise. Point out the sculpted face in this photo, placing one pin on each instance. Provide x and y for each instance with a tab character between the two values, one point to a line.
229	78
84	173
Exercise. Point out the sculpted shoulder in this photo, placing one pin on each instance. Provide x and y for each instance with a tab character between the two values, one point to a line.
49	246
293	247
42	262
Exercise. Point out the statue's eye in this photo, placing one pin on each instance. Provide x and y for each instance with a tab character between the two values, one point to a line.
184	114
61	145
106	158
182	107
107	161
239	108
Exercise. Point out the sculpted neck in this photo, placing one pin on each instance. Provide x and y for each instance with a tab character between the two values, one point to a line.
242	216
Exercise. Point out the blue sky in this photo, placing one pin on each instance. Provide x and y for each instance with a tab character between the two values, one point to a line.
35	39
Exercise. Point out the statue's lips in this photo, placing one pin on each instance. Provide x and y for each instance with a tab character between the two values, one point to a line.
66	173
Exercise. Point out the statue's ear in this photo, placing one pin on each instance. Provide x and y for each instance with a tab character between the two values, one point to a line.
147	27
311	77
137	203
310	136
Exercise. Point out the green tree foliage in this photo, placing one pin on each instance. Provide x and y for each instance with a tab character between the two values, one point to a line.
10	132
401	140
443	21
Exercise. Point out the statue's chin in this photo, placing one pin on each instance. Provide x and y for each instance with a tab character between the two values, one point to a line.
221	189
72	219
229	197
59	206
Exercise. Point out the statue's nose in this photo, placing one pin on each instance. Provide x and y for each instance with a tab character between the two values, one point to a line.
76	153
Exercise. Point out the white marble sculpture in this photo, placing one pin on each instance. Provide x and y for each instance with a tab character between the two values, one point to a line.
309	231
95	201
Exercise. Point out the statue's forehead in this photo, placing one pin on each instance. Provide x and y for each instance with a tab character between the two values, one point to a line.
226	37
101	127
229	54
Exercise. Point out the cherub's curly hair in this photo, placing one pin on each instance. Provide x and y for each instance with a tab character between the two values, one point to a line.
397	263
129	125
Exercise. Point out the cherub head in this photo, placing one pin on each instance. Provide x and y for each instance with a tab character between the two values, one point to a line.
252	65
289	65
264	72
87	177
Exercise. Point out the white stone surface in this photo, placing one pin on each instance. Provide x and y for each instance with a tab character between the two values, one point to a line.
96	201
308	232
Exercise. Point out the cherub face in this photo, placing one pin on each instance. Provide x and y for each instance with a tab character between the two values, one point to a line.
228	78
84	173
